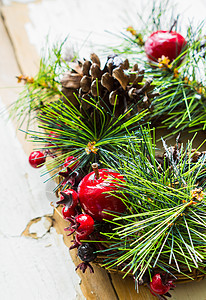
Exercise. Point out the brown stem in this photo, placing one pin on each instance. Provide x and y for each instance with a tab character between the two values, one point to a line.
173	25
95	169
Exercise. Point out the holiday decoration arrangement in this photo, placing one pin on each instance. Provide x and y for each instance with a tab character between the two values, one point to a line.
131	208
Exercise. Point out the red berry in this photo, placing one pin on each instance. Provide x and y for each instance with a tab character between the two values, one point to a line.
71	162
69	198
157	286
36	159
68	213
86	225
169	44
70	201
94	197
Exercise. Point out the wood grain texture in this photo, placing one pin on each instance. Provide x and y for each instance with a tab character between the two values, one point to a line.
95	286
9	88
15	18
30	268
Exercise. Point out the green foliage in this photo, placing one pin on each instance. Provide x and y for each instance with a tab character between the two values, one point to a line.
65	131
161	15
44	88
181	104
164	225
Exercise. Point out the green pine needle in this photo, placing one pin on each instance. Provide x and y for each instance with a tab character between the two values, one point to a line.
65	131
165	226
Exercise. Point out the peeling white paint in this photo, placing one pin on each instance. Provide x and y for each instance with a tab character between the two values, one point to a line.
32	269
23	193
42	269
41	227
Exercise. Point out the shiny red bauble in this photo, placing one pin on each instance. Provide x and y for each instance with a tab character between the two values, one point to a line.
169	44
71	162
37	159
85	225
94	197
157	286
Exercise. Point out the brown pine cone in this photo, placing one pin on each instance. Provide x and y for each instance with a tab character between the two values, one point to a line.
116	84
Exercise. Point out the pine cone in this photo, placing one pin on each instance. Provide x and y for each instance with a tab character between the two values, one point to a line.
116	84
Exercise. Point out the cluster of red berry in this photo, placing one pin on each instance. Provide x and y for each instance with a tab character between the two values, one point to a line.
91	200
93	189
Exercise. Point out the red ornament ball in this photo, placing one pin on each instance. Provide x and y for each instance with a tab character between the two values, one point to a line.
71	162
37	159
94	197
86	225
157	286
169	44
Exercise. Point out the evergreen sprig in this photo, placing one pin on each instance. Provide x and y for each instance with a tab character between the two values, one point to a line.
65	131
182	92
41	89
181	83
165	224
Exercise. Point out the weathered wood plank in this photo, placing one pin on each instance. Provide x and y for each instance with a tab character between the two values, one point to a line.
95	286
15	18
9	88
126	289
30	269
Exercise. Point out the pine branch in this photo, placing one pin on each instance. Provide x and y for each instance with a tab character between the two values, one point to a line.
65	131
165	200
44	88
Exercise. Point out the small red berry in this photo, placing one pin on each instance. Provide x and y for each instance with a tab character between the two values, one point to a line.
37	159
85	225
68	213
164	43
71	200
71	162
158	286
53	134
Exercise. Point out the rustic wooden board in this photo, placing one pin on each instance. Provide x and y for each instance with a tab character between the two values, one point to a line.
98	285
15	17
30	268
12	62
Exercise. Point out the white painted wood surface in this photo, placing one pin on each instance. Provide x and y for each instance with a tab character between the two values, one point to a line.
29	268
35	269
